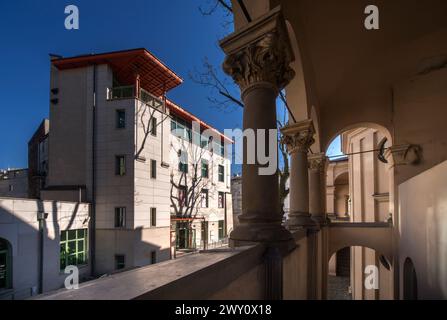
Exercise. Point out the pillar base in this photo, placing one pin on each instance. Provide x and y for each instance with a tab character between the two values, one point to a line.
319	219
303	220
253	233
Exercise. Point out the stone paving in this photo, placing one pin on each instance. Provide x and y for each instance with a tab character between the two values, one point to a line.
338	288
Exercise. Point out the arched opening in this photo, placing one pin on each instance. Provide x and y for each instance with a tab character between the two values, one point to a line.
5	265
359	180
341	197
410	281
357	273
358	191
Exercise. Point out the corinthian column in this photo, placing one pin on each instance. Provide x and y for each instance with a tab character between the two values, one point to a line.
258	58
298	138
317	187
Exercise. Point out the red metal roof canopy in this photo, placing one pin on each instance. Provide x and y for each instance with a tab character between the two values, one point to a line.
182	113
155	76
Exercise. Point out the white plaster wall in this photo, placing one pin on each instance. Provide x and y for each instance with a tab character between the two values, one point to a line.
19	226
423	230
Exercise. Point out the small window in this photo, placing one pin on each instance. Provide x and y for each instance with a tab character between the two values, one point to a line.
153	257
153	217
221	173
153	169
120	217
222	149
154	126
173	126
204	198
120	165
120	119
183	162
221	200
204	169
120	261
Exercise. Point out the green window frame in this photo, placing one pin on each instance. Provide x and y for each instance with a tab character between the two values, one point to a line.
73	248
183	162
221	229
221	200
205	169
120	165
221	173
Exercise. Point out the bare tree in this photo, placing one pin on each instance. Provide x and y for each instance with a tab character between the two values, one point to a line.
145	115
222	92
187	185
220	96
214	6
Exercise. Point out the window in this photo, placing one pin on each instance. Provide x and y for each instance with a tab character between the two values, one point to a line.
204	198
120	217
183	162
153	257
73	248
11	188
221	200
154	126
153	217
221	229
221	173
204	169
222	149
120	119
120	165
120	261
182	196
153	169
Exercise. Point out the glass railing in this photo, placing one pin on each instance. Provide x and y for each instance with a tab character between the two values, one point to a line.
123	92
127	92
149	99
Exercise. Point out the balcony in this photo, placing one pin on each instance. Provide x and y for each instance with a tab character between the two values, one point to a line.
128	92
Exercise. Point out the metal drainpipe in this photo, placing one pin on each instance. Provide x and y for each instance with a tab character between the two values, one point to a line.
41	216
93	208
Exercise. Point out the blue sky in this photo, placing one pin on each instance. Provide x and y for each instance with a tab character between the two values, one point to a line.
175	31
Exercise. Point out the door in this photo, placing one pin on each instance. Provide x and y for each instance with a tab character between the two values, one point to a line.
5	264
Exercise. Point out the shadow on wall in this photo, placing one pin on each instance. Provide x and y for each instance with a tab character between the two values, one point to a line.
22	238
125	249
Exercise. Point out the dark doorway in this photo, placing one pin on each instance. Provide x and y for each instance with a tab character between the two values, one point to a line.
5	265
343	258
410	281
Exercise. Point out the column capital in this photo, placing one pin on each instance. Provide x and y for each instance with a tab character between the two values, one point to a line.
298	137
404	154
260	53
317	162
